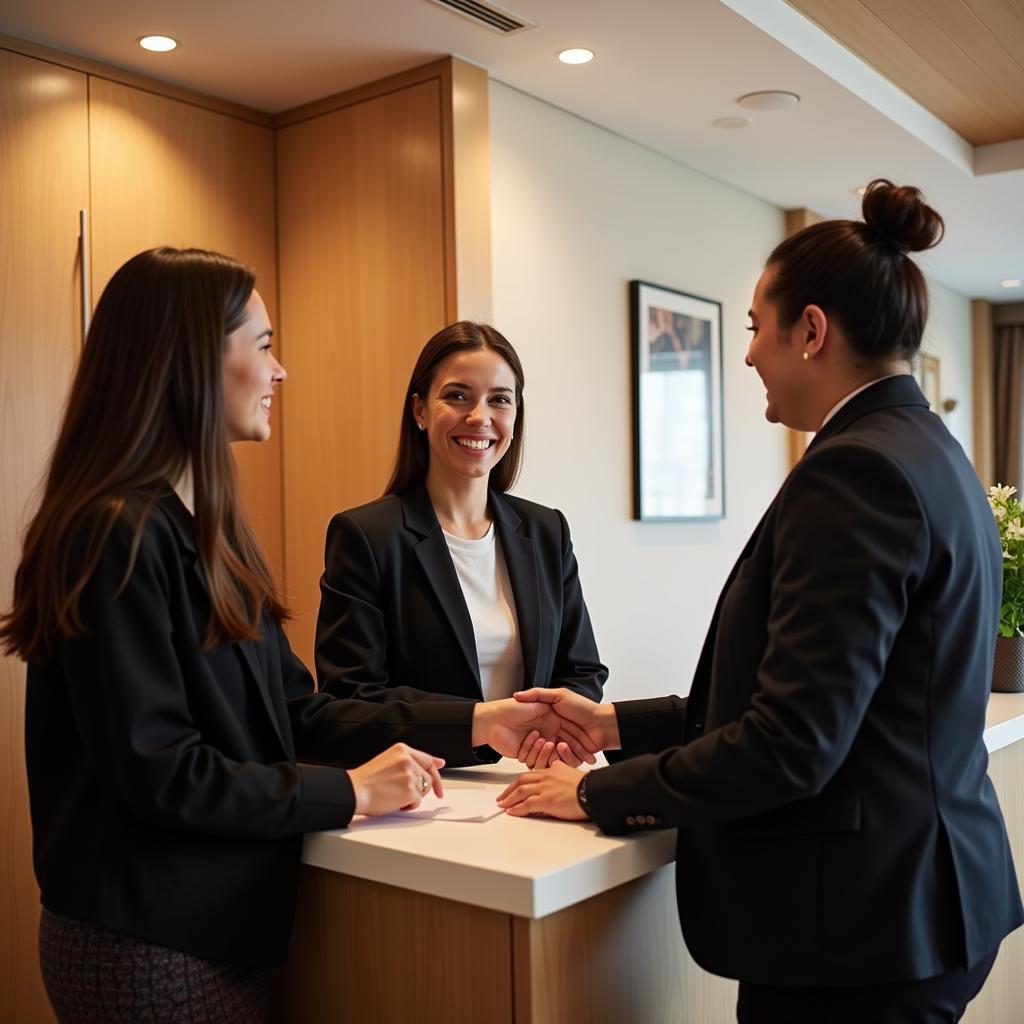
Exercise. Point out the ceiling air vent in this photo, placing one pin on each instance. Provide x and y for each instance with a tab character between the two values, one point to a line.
489	15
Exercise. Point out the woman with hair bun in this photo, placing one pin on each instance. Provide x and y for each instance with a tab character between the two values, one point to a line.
841	848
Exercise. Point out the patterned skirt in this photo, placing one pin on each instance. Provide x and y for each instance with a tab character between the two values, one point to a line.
97	976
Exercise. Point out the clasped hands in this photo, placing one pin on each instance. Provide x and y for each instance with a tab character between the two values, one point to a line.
541	727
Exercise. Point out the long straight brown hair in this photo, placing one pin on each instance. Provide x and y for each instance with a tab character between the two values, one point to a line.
146	404
412	460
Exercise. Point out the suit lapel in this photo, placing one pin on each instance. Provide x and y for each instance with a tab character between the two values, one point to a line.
184	527
247	650
433	555
521	562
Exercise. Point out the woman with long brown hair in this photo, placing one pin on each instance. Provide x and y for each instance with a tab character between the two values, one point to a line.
165	712
449	586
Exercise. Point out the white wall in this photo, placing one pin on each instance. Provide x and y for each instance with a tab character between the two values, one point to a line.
948	336
577	212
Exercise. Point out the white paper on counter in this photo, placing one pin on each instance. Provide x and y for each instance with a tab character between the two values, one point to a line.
468	805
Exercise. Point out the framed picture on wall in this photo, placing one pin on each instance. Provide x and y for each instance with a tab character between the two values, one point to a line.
677	405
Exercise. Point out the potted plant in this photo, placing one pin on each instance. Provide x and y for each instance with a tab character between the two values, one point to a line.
1008	669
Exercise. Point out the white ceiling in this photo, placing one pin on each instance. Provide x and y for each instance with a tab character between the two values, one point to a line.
665	69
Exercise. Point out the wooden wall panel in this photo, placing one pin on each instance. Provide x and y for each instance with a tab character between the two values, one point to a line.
797	220
983	394
166	172
470	189
44	142
362	263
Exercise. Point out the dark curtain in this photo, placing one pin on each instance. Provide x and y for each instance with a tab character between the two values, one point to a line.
1008	370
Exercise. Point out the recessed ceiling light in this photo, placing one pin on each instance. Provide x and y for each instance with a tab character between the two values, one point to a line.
732	123
158	44
769	99
1011	282
576	55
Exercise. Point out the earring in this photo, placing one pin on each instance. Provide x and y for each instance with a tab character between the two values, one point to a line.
422	426
806	357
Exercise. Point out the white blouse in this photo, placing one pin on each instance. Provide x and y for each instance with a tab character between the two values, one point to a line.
480	566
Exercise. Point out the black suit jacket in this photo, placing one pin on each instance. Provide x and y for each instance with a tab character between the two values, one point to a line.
836	823
165	795
393	621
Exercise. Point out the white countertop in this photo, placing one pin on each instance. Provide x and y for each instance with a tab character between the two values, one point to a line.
530	867
1004	720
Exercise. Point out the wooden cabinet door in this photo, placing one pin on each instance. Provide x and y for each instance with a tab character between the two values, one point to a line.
44	182
362	271
167	172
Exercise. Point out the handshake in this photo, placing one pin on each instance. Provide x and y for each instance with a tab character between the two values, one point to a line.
556	729
540	727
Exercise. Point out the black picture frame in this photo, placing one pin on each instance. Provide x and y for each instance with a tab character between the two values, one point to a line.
678	431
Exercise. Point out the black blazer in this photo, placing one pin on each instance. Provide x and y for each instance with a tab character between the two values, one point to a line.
165	796
836	823
393	621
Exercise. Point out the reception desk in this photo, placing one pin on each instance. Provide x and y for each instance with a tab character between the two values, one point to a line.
531	921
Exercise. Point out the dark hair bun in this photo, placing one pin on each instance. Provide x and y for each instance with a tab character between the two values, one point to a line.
898	215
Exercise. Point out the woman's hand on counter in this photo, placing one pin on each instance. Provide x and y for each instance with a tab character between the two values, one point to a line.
398	779
551	792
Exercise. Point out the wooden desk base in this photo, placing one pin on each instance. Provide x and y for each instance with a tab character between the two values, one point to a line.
374	954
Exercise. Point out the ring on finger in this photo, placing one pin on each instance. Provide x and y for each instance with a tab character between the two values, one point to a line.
424	784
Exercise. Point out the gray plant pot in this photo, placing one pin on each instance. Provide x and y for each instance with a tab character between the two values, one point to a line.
1008	667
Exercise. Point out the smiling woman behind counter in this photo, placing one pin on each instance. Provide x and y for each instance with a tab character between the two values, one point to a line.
448	584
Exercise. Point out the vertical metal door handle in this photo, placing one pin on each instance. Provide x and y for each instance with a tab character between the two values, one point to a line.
83	246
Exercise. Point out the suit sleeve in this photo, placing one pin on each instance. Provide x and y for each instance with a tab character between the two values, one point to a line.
648	726
348	731
849	546
577	663
129	699
351	631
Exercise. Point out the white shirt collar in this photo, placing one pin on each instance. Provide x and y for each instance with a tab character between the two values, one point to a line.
853	394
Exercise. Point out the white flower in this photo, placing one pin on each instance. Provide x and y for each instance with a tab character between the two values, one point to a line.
1006	554
1001	493
1014	531
999	511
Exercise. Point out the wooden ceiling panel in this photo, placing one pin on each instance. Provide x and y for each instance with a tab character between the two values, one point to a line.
986	32
949	37
961	59
1005	20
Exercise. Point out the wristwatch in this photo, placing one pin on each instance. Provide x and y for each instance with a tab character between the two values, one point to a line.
581	794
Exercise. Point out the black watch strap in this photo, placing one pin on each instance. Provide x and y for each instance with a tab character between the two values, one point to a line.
581	794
